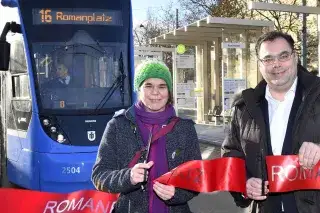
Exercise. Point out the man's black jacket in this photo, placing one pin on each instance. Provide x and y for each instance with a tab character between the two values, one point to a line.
248	137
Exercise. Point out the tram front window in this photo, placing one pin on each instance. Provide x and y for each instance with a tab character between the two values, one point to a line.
79	53
78	75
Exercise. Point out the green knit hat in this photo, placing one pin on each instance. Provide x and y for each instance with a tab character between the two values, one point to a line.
152	69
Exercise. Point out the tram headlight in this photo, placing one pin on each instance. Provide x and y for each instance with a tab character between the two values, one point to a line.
60	138
53	129
46	122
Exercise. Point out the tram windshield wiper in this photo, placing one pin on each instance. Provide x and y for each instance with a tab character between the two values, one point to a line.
119	82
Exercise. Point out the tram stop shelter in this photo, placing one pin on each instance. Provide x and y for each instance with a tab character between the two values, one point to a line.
219	62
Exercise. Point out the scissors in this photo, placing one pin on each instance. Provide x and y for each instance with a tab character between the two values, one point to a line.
146	158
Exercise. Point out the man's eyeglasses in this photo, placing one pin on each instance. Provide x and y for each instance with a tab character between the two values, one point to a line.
282	57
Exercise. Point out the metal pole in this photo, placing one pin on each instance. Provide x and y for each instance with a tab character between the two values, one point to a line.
175	80
304	37
177	18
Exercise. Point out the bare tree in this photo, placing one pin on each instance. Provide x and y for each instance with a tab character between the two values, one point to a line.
151	28
218	8
239	9
283	21
167	16
189	13
158	22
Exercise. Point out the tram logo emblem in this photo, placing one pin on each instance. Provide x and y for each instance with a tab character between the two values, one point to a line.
22	120
91	135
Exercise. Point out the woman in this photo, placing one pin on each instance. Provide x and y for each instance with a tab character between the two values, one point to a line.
130	131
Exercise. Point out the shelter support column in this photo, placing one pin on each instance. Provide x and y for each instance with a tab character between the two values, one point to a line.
202	66
206	77
217	71
244	58
199	82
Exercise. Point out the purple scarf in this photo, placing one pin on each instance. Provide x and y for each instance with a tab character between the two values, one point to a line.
148	121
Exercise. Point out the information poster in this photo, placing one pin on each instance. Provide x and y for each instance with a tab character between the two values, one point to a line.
185	61
231	87
185	95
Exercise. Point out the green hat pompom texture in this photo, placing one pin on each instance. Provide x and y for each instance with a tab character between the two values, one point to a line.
152	69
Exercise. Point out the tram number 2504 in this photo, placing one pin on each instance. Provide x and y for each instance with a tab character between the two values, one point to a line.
70	170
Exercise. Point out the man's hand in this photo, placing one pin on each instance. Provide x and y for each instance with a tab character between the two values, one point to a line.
309	154
254	189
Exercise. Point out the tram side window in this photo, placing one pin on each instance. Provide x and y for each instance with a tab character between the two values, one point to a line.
18	69
20	85
18	62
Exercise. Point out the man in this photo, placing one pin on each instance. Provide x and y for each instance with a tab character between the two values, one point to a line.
62	80
281	116
63	74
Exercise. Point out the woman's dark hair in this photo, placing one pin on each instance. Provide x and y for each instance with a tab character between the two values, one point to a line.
170	99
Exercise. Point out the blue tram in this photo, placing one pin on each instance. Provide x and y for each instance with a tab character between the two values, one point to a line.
65	67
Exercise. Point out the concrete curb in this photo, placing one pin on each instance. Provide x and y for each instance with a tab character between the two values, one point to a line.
214	142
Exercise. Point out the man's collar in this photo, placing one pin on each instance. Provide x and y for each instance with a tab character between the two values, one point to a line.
292	89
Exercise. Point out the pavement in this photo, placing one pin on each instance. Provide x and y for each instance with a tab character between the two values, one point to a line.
210	134
207	133
211	138
215	202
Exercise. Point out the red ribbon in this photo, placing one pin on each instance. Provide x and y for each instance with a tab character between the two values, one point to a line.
285	174
21	201
222	174
228	174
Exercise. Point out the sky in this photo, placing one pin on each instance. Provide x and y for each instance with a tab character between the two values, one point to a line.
140	7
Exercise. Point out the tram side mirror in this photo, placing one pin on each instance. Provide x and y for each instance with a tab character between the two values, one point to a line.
4	55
